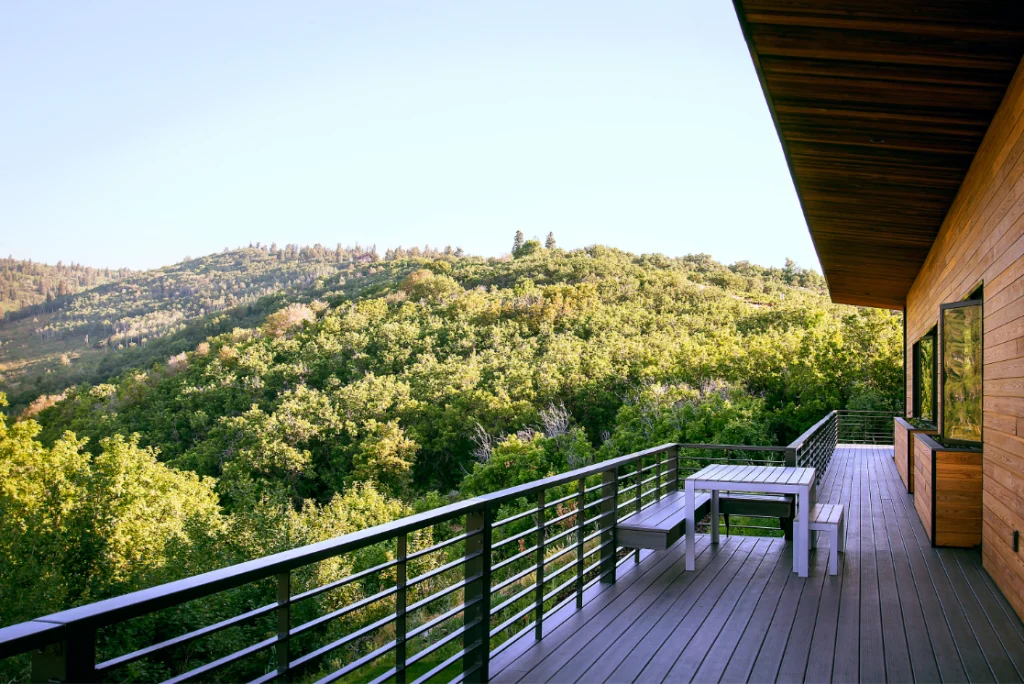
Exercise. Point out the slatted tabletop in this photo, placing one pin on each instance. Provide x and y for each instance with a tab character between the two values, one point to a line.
740	474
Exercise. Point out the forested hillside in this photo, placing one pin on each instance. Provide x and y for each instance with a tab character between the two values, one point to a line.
360	395
28	288
90	324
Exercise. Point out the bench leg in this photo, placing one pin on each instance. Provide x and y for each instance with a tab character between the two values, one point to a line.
786	525
714	516
841	536
814	539
833	555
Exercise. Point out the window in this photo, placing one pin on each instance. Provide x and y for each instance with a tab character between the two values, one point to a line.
926	371
961	371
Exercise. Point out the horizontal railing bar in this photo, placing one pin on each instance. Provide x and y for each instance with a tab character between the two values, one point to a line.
271	676
439	644
561	570
439	668
342	582
729	447
561	553
443	568
341	612
519	596
598	502
514	537
440	618
439	594
384	677
222	662
512	559
513	579
562	517
338	643
558	537
512	620
186	638
600	485
442	545
594	550
554	592
356	664
513	518
570	497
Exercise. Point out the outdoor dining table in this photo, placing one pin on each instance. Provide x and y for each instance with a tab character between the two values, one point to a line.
760	479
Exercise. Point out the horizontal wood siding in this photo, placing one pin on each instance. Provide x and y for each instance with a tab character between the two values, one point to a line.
958	500
901	455
982	241
923	490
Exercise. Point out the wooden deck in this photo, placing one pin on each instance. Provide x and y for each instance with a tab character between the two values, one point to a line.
899	610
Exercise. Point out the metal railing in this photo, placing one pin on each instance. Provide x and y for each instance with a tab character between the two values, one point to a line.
866	427
814	448
433	595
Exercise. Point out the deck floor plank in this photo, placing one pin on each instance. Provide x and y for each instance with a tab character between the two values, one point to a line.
899	610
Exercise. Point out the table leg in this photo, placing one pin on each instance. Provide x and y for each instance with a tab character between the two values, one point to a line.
691	501
714	516
802	549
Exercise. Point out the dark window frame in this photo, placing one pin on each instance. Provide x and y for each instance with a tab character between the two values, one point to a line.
942	353
933	334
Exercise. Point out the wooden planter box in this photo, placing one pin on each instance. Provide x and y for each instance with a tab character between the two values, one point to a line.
948	490
903	450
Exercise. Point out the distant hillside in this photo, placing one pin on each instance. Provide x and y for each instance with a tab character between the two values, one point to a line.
76	324
28	287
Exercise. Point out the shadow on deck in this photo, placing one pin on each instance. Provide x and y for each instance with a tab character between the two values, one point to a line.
899	610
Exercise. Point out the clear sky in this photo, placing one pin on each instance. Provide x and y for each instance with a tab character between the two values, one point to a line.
136	133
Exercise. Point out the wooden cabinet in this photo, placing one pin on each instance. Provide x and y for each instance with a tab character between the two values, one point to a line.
903	451
948	492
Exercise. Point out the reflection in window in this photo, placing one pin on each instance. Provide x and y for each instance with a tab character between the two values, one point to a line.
925	371
961	371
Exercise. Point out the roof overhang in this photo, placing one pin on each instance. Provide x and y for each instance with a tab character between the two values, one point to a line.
880	106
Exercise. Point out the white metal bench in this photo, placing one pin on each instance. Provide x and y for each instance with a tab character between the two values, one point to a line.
828	518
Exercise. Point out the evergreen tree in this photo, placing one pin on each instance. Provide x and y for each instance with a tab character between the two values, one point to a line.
550	242
517	243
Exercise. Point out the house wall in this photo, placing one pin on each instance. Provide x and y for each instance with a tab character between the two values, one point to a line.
982	241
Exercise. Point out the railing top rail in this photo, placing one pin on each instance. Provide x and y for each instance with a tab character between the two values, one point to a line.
24	636
799	441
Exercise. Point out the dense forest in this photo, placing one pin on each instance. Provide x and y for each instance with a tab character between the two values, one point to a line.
28	287
292	402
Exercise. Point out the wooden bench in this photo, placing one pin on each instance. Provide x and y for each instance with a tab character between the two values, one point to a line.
828	518
759	506
661	524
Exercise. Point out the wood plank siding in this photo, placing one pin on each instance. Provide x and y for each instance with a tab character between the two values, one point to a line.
880	107
899	610
981	242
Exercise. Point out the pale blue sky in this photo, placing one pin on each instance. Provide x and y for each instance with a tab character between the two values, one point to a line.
135	133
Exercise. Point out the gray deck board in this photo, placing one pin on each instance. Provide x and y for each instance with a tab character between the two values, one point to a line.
899	610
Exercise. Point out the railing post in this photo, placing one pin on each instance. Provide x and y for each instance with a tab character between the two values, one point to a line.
790	458
673	460
657	476
538	615
476	639
581	529
401	578
73	660
639	498
609	523
284	627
